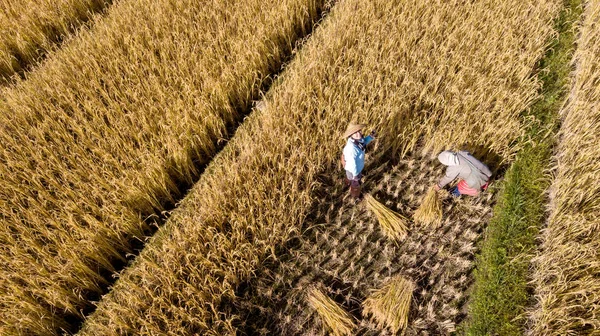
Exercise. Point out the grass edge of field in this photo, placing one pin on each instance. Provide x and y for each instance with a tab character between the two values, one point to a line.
500	293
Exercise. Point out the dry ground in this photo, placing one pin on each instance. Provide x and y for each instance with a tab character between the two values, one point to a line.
344	251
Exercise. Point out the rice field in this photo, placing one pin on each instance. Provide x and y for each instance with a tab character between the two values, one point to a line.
31	28
418	72
566	279
104	137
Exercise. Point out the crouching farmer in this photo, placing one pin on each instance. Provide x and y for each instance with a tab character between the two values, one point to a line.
473	175
353	156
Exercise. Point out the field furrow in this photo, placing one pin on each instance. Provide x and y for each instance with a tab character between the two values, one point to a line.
429	75
566	276
110	132
29	29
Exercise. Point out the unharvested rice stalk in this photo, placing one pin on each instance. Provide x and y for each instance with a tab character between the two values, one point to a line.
29	28
107	129
392	223
430	211
567	268
379	62
389	306
331	314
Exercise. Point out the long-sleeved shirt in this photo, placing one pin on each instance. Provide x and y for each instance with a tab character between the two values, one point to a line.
354	156
473	171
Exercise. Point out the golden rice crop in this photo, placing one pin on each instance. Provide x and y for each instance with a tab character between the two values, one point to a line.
389	305
567	272
392	223
380	62
29	28
334	317
100	135
430	210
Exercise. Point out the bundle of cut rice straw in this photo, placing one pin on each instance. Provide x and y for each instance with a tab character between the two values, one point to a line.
392	223
389	305
333	316
430	210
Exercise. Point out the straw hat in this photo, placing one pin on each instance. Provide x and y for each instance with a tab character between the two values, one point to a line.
353	128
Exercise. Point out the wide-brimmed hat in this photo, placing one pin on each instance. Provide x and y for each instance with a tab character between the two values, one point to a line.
448	158
353	128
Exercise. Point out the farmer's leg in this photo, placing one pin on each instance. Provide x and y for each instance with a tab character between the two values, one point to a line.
485	186
348	178
355	182
454	192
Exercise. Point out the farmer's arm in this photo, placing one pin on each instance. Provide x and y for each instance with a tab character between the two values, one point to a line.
451	173
350	157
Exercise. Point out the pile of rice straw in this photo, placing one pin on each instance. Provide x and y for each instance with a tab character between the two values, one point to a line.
389	305
392	223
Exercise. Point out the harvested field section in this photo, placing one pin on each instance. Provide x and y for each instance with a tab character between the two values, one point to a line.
30	28
567	273
114	128
345	250
363	63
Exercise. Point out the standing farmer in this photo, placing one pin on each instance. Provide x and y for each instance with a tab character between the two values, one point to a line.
353	156
473	174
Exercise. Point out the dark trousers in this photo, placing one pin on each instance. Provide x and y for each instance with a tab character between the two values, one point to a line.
354	182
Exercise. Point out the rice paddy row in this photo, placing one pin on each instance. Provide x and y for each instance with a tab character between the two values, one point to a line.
110	128
28	29
415	69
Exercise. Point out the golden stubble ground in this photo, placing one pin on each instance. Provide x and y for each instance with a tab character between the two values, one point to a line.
344	251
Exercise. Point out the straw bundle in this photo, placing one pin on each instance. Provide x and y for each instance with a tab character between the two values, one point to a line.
390	304
333	316
430	210
392	223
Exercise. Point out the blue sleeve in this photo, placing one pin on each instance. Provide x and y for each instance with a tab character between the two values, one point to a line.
368	139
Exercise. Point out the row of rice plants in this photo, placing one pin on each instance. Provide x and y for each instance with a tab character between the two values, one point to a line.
108	129
566	276
30	28
381	62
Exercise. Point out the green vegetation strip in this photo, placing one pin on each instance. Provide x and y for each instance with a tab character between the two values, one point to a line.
501	293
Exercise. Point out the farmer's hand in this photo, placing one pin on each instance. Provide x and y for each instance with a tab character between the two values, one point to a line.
436	187
373	132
